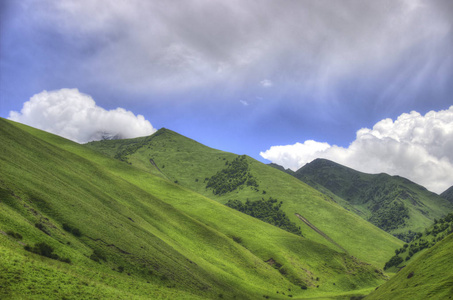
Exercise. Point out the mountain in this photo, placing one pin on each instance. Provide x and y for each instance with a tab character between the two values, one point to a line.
429	276
281	168
422	241
448	194
392	203
77	224
225	177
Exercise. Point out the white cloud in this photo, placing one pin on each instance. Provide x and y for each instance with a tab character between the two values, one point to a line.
414	146
266	83
75	116
243	102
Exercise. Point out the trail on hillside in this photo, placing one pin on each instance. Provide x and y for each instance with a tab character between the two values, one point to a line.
319	231
154	164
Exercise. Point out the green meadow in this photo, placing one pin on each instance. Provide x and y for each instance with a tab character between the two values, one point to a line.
136	219
191	165
428	276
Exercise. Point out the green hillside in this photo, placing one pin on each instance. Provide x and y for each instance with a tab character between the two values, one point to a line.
227	177
448	194
429	276
392	203
75	224
423	240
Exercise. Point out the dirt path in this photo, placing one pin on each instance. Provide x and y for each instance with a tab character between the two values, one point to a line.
319	232
154	164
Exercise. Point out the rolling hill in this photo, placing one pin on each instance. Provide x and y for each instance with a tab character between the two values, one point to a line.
429	276
77	224
392	203
422	241
224	177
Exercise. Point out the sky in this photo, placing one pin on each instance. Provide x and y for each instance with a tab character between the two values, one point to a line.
367	84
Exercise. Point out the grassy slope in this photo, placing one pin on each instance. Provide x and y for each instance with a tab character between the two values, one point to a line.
448	194
423	241
359	191
170	240
190	164
428	277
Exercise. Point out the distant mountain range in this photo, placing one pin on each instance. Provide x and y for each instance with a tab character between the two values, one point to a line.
393	203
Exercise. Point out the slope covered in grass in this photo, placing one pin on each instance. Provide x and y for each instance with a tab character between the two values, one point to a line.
392	203
448	194
422	241
429	276
195	166
141	236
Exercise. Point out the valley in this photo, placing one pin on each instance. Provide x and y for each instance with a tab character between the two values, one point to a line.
146	218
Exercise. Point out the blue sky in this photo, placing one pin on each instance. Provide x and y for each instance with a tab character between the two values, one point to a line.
241	76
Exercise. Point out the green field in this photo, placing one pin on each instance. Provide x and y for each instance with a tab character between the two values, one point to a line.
429	276
146	219
143	236
192	164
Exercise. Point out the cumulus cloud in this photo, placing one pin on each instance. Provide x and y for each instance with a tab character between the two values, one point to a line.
75	116
414	146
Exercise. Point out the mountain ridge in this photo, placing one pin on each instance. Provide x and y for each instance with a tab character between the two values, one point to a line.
192	165
392	203
140	235
448	194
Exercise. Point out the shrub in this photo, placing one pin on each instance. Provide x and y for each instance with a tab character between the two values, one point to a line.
46	250
65	260
268	211
67	228
42	228
76	232
237	239
15	235
70	229
97	256
394	261
233	176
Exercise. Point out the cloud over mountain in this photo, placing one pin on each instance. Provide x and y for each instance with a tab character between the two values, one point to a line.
413	146
75	116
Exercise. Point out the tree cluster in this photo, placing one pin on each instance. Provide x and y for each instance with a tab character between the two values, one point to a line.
389	215
432	235
70	229
46	250
394	261
268	211
235	175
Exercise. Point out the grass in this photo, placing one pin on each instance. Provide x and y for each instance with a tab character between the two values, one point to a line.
421	242
393	203
191	164
427	277
158	239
